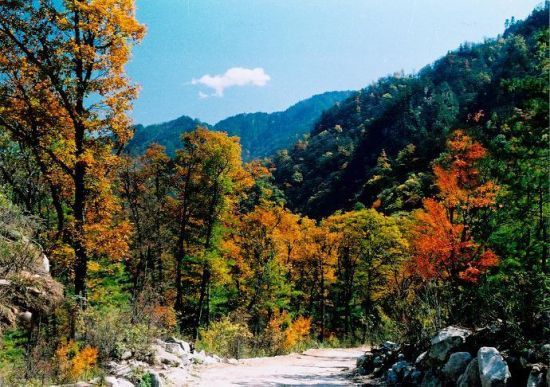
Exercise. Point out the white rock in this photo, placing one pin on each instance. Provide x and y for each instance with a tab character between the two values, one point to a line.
198	358
124	383
126	355
446	341
25	316
176	349
210	360
110	381
45	264
493	370
184	344
161	356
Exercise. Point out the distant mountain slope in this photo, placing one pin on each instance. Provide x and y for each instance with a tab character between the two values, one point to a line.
262	134
378	145
167	134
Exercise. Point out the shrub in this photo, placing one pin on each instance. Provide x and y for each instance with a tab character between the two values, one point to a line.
225	338
74	363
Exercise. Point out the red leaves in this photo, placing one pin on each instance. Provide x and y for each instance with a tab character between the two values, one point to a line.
442	242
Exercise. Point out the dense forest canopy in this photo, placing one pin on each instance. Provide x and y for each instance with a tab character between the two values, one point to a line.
417	202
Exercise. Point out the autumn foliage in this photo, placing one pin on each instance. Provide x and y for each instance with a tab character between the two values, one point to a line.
443	244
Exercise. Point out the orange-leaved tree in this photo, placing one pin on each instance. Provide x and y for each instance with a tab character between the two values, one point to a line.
65	96
442	239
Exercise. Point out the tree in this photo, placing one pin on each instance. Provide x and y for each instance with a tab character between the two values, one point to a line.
260	264
370	247
208	178
443	244
65	97
145	186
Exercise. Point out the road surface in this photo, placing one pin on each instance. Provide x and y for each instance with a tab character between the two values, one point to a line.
315	367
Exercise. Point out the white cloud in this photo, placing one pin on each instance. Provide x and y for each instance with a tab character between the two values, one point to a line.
235	76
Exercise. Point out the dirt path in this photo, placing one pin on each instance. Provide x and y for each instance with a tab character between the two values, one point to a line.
315	367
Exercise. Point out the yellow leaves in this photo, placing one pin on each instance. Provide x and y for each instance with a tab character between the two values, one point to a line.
297	332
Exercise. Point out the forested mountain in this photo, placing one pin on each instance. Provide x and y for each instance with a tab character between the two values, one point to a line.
379	143
261	134
166	134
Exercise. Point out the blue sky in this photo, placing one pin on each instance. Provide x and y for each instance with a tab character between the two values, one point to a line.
210	59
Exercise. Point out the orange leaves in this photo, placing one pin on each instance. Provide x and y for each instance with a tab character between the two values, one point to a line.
296	332
287	335
442	242
444	250
74	363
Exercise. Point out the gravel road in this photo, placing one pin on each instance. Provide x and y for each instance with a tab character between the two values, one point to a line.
315	367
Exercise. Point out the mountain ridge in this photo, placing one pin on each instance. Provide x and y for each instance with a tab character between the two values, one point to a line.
261	133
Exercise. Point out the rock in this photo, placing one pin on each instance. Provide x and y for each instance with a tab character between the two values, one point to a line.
391	377
5	282
156	380
365	363
124	383
431	380
536	377
110	381
412	377
45	264
456	365
446	341
119	369
421	358
470	377
183	344
399	368
161	356
175	349
390	346
25	316
210	360
232	361
493	370
198	357
126	355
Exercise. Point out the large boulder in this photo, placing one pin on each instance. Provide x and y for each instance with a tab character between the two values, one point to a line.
365	363
431	380
456	365
185	346
493	370
470	377
537	376
162	356
176	349
447	341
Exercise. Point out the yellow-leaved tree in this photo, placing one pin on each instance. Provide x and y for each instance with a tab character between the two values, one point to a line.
65	97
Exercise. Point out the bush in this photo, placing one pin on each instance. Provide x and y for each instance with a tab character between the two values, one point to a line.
225	338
